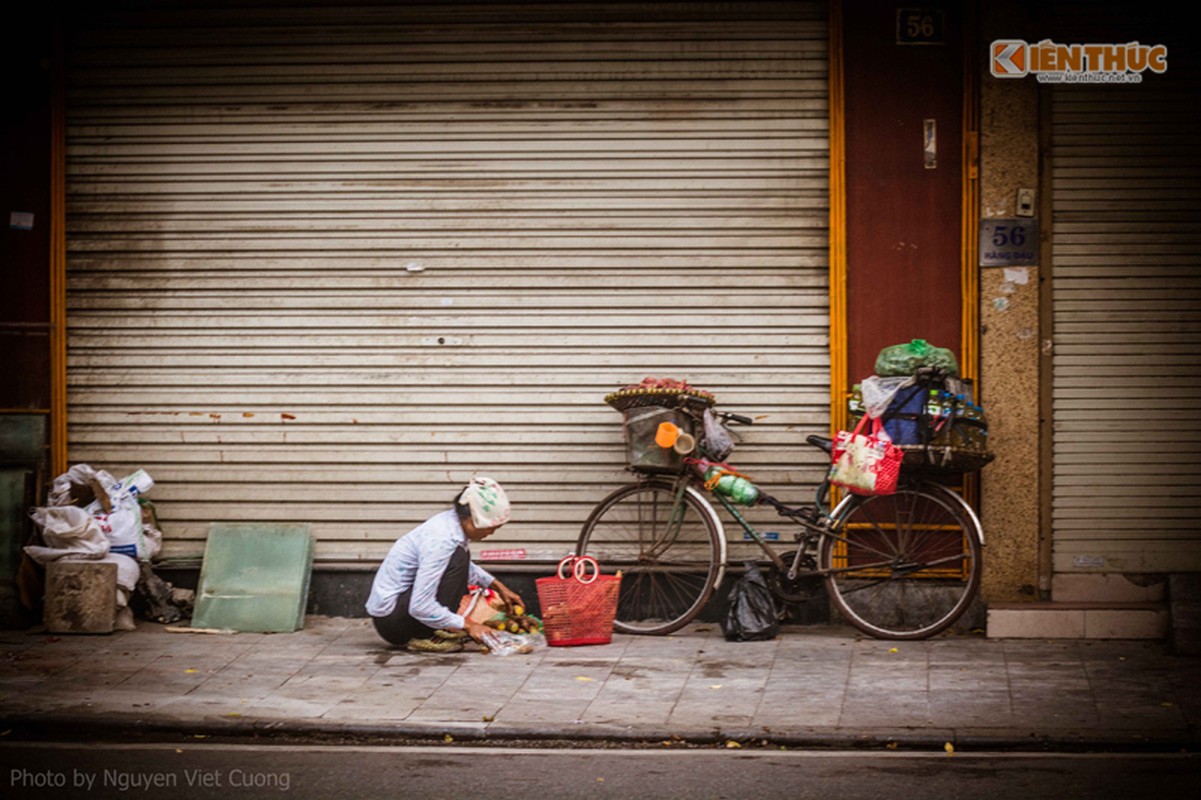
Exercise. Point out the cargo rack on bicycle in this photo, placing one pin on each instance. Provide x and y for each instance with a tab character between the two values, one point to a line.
935	458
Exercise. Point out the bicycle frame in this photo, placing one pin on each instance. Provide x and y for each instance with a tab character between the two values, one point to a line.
823	523
809	539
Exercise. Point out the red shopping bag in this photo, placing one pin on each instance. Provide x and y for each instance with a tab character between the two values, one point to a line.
866	464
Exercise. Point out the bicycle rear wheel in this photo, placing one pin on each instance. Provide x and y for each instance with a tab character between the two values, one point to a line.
903	566
671	555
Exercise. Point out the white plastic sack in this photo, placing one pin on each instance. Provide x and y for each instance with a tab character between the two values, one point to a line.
67	530
136	485
123	524
123	527
878	392
79	475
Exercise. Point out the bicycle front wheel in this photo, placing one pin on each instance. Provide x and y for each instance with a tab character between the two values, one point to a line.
903	566
667	543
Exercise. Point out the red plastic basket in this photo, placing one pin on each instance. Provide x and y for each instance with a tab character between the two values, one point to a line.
579	609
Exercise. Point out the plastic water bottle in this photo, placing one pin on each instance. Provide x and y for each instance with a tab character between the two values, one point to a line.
979	431
855	403
970	439
739	490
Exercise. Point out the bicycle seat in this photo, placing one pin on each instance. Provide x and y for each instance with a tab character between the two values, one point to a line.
824	442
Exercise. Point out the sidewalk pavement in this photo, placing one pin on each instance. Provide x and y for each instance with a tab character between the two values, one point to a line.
809	687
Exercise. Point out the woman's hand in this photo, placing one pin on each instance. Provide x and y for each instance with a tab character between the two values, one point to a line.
511	598
479	631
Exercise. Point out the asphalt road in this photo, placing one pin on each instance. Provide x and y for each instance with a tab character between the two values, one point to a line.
184	770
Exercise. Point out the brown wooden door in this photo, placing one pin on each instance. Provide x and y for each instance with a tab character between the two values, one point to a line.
903	213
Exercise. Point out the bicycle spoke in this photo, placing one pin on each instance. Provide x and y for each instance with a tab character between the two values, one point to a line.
902	566
663	541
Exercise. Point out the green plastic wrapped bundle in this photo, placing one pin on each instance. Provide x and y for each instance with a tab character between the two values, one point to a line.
907	359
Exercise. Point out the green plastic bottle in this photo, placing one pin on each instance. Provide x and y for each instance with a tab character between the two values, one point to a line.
739	490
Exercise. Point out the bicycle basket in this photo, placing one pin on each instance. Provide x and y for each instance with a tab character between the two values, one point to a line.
578	609
639	426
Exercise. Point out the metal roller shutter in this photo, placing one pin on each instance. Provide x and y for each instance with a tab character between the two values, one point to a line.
1126	283
327	262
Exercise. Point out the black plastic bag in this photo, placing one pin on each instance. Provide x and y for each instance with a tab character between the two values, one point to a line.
752	614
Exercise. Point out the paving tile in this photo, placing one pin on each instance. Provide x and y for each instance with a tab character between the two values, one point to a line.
885	710
892	680
364	707
976	677
799	717
630	712
543	710
283	706
1055	708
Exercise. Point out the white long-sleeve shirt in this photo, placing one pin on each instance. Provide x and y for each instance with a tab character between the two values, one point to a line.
418	559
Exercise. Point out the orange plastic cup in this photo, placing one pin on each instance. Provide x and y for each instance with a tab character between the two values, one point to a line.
667	434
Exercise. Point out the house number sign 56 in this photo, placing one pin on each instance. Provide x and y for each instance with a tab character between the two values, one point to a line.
921	26
1009	242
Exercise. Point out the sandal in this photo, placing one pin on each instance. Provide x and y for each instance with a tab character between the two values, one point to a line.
434	645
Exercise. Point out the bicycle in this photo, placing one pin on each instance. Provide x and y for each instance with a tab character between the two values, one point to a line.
899	566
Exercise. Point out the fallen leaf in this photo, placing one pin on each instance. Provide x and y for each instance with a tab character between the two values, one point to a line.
583	679
893	650
488	718
715	686
232	714
448	738
733	745
178	750
891	745
191	671
950	748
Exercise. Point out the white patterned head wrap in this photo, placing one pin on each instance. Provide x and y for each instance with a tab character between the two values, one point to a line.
488	503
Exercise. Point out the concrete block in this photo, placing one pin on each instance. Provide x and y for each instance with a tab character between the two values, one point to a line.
1035	622
81	597
1125	623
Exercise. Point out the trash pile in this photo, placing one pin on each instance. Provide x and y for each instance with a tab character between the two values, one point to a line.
91	516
